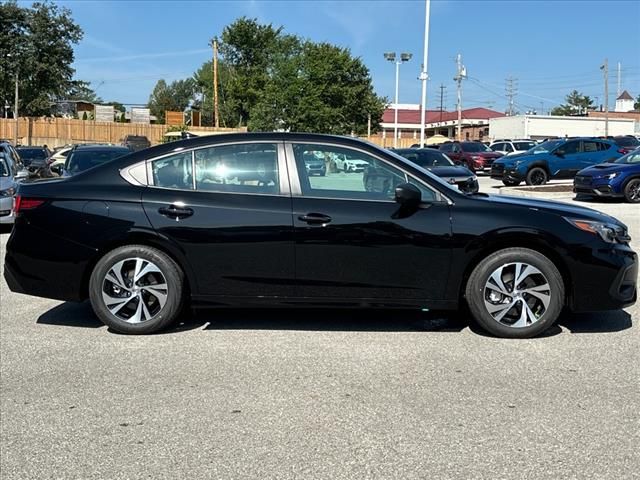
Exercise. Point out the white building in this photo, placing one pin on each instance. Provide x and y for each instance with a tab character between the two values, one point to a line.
543	126
624	103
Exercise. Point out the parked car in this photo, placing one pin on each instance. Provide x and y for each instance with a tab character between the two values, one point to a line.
511	147
411	241
135	142
8	172
314	164
442	166
348	164
476	156
627	143
555	159
10	152
59	155
618	179
84	157
36	161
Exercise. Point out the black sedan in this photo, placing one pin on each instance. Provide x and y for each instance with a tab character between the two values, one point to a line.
237	220
441	165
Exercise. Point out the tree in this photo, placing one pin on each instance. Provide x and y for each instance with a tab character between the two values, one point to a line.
576	104
322	88
37	43
173	97
636	105
81	90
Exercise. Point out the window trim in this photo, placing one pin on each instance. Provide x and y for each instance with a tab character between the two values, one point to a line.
283	176
296	188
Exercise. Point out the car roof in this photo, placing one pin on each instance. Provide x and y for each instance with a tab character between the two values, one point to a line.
99	147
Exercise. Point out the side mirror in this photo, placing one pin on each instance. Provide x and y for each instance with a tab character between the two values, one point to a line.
57	169
558	154
408	195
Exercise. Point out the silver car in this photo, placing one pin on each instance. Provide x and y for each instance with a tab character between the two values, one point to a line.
10	173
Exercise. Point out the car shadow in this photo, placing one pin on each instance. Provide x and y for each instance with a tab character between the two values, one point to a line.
81	315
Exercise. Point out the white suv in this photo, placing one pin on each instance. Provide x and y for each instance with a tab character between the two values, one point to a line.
511	147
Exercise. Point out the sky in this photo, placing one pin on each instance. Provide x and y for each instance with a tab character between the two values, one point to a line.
547	47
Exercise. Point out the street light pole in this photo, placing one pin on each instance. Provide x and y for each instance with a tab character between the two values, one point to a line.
423	74
391	57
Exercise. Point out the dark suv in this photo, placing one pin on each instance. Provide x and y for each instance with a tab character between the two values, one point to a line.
476	156
136	142
555	159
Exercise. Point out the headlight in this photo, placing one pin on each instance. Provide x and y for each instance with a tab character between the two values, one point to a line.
476	157
518	163
9	192
612	175
610	233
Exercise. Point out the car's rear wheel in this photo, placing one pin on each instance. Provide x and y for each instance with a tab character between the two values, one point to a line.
511	183
632	191
515	293
136	289
537	176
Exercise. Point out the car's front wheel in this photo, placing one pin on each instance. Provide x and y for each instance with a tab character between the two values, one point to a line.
136	289
515	293
632	191
537	176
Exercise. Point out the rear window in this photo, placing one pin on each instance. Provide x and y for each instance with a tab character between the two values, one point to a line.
475	147
32	153
524	145
426	158
134	138
81	160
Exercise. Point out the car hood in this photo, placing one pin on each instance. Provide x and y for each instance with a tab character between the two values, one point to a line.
510	159
450	171
606	168
549	206
485	154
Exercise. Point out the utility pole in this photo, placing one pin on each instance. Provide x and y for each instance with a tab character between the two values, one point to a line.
605	68
511	93
423	74
442	88
215	84
461	74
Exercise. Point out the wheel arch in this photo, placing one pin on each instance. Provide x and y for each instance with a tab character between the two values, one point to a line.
493	243
539	164
148	239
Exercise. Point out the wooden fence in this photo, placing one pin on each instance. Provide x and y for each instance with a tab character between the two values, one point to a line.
387	142
54	131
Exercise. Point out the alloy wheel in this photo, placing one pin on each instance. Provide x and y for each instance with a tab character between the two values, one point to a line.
134	290
634	191
517	295
538	178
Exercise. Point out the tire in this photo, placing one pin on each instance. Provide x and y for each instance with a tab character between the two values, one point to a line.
537	176
125	313
482	293
632	191
511	183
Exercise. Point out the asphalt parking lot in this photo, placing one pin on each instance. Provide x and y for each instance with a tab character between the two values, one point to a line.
317	394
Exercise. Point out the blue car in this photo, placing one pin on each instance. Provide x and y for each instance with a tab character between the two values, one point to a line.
554	159
619	179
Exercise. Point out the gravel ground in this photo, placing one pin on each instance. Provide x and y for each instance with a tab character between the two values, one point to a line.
314	394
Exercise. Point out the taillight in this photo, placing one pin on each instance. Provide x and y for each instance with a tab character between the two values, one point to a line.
21	203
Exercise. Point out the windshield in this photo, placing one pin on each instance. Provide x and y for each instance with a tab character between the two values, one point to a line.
475	147
546	146
32	153
524	145
4	168
427	158
82	160
627	142
633	157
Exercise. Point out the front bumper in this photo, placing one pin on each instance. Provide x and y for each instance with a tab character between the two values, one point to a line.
597	187
6	210
500	172
604	279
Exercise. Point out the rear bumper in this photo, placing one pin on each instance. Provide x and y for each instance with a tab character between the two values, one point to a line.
56	272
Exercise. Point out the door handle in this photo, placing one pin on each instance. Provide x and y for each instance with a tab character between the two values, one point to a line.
176	211
315	218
